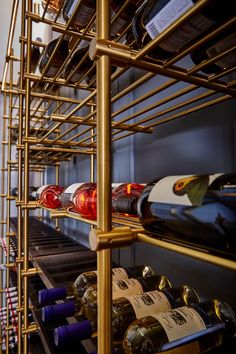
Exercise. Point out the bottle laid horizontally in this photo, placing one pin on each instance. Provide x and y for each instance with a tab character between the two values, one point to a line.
121	288
32	192
53	5
84	11
127	309
154	17
53	313
84	198
198	210
226	40
48	196
119	24
194	329
58	58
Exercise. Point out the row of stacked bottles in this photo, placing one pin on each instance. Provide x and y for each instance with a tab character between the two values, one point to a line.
197	211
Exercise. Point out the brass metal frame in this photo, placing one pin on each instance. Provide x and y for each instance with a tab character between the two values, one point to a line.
42	142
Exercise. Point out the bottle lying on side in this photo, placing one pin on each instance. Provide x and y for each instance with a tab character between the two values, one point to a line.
84	198
199	210
125	310
196	328
52	313
121	288
48	196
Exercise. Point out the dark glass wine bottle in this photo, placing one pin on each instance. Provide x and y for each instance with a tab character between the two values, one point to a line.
125	17
197	210
58	59
121	288
153	17
190	329
84	12
219	44
86	279
35	55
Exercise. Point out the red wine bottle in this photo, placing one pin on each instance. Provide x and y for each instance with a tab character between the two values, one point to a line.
48	196
199	210
84	12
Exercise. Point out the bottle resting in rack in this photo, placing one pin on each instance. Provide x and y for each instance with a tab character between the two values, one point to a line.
48	196
127	309
86	279
85	198
35	55
58	58
85	9
154	17
198	210
121	288
226	40
53	6
32	192
189	329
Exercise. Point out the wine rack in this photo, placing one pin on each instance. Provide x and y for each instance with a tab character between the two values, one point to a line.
53	128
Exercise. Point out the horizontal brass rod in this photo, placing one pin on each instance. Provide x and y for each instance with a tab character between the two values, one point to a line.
61	149
187	251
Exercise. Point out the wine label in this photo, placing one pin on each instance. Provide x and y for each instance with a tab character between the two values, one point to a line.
119	274
117	25
193	348
123	288
71	189
40	190
84	13
148	303
181	190
182	35
180	322
219	47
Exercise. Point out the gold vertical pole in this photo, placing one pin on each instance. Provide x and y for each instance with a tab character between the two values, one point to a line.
104	180
3	202
26	185
57	183
20	182
8	200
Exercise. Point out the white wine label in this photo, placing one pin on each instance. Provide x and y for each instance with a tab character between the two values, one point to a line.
219	47
167	15
148	303
180	322
193	348
72	189
119	274
84	13
181	190
123	288
40	189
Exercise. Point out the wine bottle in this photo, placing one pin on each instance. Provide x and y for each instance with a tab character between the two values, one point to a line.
58	59
125	310
153	17
125	17
48	196
32	192
35	55
192	329
74	61
122	288
85	198
219	44
198	210
86	279
84	12
53	6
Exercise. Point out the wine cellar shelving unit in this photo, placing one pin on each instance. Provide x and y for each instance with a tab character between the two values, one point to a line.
46	135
